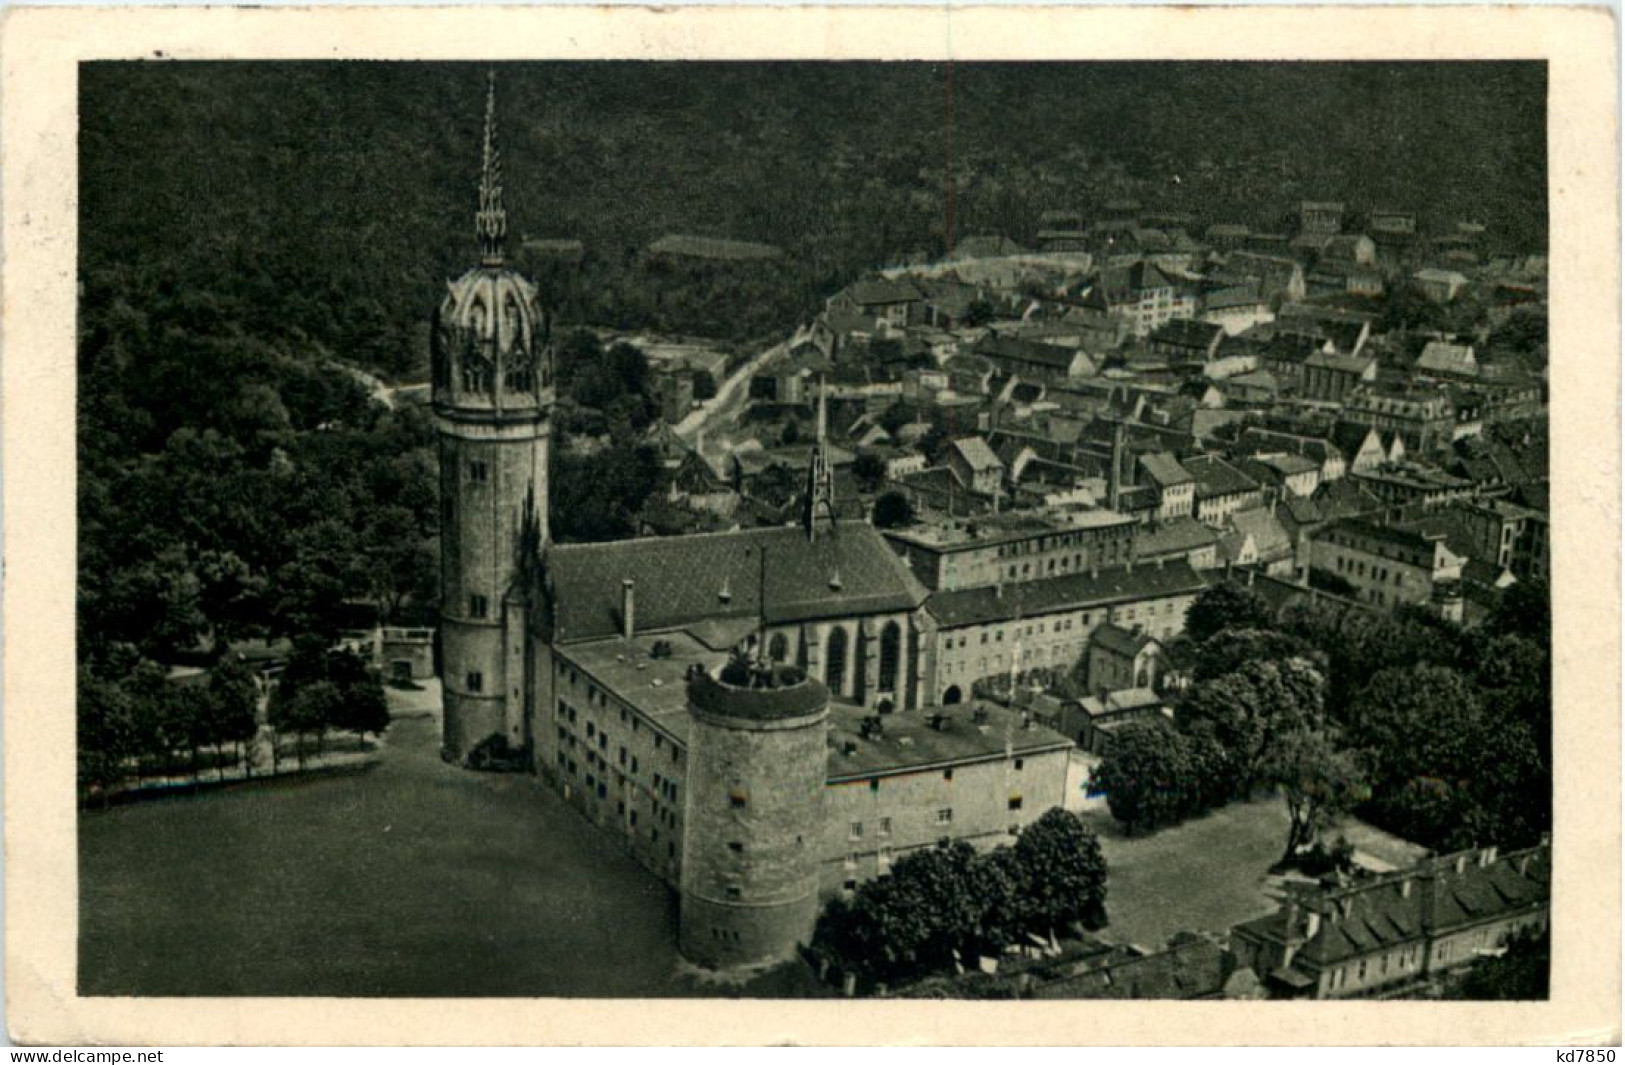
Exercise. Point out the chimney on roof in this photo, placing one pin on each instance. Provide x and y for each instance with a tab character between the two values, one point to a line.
628	608
1405	888
1486	857
1251	574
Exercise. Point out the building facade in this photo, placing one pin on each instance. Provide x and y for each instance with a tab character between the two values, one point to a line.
1382	935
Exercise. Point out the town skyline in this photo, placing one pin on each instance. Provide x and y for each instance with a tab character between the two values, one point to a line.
1129	508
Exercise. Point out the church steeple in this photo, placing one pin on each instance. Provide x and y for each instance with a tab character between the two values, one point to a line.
491	220
820	501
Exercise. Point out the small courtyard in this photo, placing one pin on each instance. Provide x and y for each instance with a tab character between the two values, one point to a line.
1206	874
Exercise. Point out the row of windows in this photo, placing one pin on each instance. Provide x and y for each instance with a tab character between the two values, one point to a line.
1065	624
1357	568
1049	543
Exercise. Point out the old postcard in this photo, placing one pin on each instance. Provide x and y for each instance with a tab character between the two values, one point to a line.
821	518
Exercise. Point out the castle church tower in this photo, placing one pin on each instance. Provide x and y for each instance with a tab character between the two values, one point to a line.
492	368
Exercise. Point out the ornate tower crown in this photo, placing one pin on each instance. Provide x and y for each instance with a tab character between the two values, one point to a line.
490	347
491	220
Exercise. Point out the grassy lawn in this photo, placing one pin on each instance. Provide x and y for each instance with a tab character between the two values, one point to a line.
1204	875
412	879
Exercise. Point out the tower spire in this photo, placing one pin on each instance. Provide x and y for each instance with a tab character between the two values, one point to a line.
491	220
820	474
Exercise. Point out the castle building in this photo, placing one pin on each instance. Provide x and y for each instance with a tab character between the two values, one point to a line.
614	667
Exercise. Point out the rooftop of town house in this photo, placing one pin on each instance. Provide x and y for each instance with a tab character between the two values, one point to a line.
1412	475
1084	589
1287	464
1164	469
1338	921
1005	528
1216	477
932	738
1122	701
1174	536
976	453
1363	529
1120	640
880	291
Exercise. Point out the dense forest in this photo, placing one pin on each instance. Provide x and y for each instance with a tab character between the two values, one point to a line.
331	200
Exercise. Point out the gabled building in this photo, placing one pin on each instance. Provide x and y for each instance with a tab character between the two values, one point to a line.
1320	217
1331	378
1440	286
1183	340
1016	629
1174	484
1121	658
1374	936
1221	489
1448	360
1389	566
880	300
976	466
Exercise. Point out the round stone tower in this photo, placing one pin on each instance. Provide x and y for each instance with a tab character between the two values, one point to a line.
492	372
752	814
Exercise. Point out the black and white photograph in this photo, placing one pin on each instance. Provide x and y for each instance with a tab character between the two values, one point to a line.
819	530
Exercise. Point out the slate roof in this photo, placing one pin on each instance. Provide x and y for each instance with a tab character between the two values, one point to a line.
1446	893
878	292
1442	357
908	742
1118	640
976	453
1164	469
1287	465
681	580
1187	333
1176	536
986	246
1310	447
1191	968
1053	357
1354	364
1243	294
1115	584
1216	477
1346	498
1270	537
1291	347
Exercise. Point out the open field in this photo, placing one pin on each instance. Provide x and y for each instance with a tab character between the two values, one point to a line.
413	878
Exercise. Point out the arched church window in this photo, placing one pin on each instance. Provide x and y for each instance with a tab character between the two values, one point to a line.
891	652
778	648
835	661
